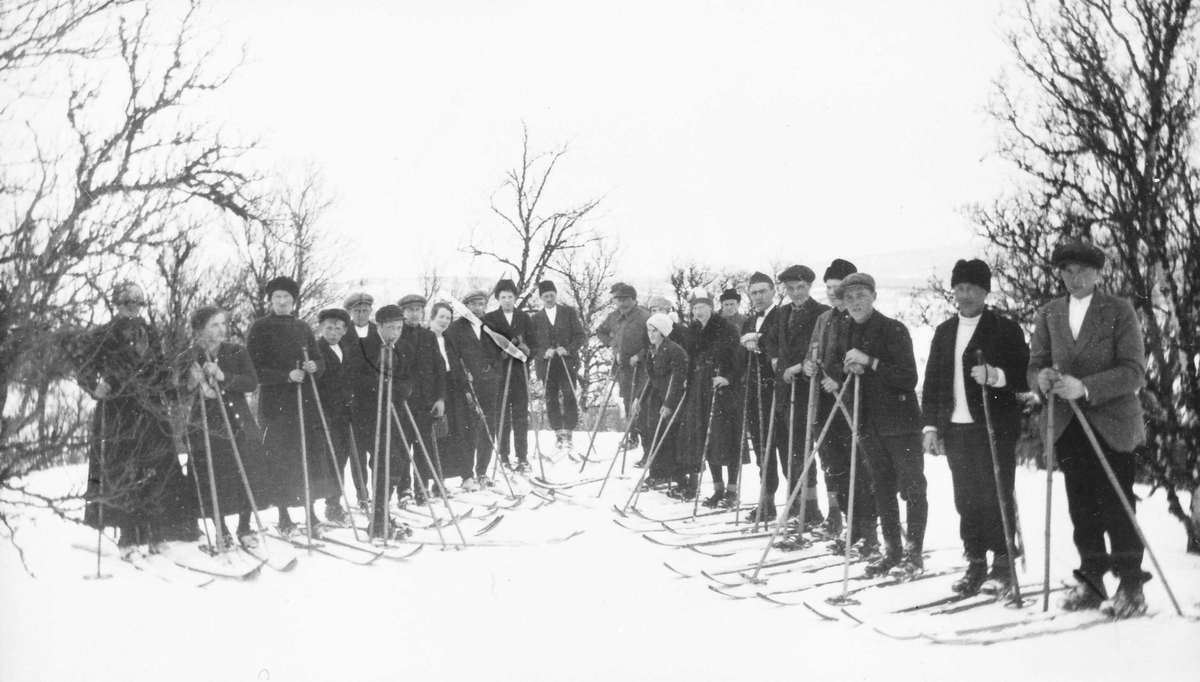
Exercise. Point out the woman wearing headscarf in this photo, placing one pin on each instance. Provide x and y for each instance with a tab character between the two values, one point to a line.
666	367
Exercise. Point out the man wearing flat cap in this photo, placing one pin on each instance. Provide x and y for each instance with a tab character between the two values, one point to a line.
731	308
419	348
362	343
514	325
880	351
337	399
1087	347
835	449
955	425
556	339
758	334
624	331
481	364
793	337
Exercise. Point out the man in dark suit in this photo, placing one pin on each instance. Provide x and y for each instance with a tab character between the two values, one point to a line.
557	335
879	350
419	348
953	410
337	400
624	331
757	333
481	359
361	344
792	340
515	326
1088	347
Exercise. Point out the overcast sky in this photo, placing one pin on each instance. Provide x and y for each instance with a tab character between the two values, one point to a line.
737	133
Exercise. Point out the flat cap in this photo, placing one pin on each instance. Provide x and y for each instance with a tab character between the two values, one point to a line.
336	314
388	313
798	272
659	302
475	295
622	290
358	298
282	284
858	279
412	299
1077	252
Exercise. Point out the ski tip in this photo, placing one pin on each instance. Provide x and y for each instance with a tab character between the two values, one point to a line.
618	511
676	571
490	526
821	614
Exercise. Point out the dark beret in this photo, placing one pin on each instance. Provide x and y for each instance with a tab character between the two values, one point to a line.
972	271
334	313
282	284
730	295
1077	252
412	299
839	269
505	285
388	313
761	278
797	272
858	279
546	285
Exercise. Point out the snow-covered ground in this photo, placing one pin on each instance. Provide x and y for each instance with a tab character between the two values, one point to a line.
598	607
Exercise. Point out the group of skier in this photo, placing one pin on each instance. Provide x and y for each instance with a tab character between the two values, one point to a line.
405	403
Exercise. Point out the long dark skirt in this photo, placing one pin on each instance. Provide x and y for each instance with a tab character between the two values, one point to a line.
283	471
231	491
142	487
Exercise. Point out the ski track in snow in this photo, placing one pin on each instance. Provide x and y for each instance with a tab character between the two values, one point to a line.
599	607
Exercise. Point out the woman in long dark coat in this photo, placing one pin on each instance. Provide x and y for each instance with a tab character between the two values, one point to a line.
212	357
276	344
455	442
140	489
712	345
666	366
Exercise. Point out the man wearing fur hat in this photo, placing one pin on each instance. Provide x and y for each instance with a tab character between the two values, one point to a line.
556	339
879	350
823	357
1088	347
953	410
515	326
624	331
793	338
758	334
419	348
275	344
337	400
482	365
731	308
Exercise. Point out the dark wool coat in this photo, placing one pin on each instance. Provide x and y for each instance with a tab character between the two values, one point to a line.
667	370
275	344
711	350
456	445
518	332
143	484
762	378
567	332
337	382
425	368
363	357
482	359
793	340
240	379
1003	345
827	334
889	400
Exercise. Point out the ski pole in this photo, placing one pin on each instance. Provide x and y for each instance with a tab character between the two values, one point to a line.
621	447
356	466
1048	448
380	424
218	520
744	435
199	496
853	481
658	445
502	435
770	462
809	451
483	420
625	450
429	462
337	471
1000	496
612	381
1112	478
781	520
537	439
237	457
395	416
100	490
308	527
712	411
